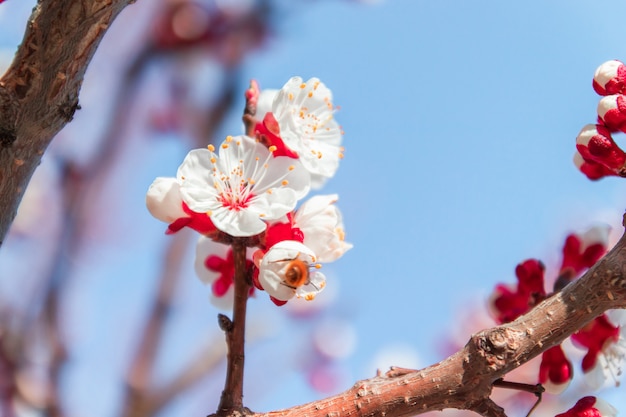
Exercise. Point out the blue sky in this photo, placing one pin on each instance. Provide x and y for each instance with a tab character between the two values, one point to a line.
460	121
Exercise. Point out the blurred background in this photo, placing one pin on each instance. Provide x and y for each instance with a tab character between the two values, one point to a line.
460	121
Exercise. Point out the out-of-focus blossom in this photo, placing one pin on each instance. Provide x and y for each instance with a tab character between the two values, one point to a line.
301	124
290	269
590	407
230	31
610	78
555	370
582	251
509	302
606	350
215	266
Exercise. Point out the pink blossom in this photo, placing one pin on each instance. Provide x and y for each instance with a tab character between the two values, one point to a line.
215	266
582	251
509	302
301	124
242	187
606	349
555	370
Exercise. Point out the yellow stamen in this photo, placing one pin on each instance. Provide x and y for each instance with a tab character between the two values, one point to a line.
285	182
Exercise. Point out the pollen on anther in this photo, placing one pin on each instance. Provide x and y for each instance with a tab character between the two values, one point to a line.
292	167
302	85
290	96
272	148
269	191
210	147
285	182
224	145
309	297
318	266
213	160
310	94
229	139
209	213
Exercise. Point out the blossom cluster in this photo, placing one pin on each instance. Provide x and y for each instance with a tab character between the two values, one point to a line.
602	340
249	188
597	155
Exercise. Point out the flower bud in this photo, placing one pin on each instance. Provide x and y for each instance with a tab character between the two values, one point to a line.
612	112
609	78
593	170
594	142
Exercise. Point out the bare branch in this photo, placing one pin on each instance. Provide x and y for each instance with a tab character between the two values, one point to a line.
465	379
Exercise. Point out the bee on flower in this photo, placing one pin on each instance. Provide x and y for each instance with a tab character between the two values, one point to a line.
249	187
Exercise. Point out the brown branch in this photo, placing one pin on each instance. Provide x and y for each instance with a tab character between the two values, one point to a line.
232	396
39	91
465	379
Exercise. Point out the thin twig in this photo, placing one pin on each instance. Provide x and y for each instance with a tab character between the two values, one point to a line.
232	396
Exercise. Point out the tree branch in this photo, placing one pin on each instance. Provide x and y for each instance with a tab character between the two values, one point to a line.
39	91
465	379
232	396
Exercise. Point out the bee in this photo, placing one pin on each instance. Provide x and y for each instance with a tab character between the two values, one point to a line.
297	272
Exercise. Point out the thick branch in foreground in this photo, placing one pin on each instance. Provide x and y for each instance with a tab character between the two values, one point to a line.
465	379
39	91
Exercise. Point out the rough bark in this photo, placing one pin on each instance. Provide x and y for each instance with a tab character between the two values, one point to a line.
465	379
39	91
